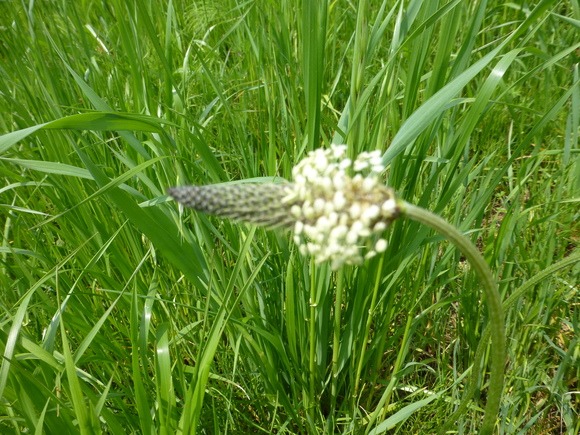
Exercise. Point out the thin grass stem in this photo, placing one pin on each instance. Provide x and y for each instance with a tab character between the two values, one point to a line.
336	334
361	357
312	342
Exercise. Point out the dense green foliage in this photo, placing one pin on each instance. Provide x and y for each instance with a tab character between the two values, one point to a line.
123	313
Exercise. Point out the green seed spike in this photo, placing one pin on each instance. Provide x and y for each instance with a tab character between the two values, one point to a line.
256	203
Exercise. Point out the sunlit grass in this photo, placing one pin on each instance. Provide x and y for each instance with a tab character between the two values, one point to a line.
122	312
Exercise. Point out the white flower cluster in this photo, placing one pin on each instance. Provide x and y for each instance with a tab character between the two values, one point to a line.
340	206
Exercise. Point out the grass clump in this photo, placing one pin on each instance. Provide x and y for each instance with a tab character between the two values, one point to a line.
122	312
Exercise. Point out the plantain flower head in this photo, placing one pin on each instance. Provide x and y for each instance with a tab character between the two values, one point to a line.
338	208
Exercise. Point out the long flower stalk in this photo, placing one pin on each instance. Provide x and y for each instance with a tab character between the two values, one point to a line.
338	210
496	319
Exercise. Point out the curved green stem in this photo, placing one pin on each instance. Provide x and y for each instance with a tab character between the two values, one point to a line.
496	320
515	296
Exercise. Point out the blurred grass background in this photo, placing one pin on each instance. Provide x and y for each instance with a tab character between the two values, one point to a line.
122	313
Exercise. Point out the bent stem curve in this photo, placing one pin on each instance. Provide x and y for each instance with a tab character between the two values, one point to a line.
514	297
496	322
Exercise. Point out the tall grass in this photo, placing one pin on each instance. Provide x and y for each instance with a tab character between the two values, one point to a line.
122	312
